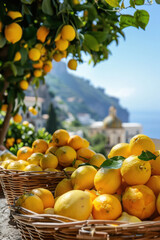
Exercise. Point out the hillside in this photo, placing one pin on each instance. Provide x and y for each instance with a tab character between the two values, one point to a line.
80	95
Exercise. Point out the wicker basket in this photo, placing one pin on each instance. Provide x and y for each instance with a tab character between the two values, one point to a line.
43	226
15	183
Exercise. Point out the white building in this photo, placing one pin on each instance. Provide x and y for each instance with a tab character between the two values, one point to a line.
84	118
114	129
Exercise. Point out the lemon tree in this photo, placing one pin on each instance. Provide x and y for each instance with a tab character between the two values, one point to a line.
34	32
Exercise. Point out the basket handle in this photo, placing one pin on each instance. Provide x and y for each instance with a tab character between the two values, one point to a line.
92	232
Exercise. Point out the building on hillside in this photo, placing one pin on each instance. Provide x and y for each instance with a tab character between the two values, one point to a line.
114	129
85	118
38	120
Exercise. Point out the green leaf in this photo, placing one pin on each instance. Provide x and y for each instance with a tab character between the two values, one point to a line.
14	69
116	158
112	164
27	1
25	10
142	18
2	40
47	7
100	36
132	3
113	3
24	55
139	2
128	21
91	42
147	155
157	1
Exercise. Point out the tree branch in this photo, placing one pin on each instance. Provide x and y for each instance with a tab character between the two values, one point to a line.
4	127
3	90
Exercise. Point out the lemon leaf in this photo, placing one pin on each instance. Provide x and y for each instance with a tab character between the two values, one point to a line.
147	155
112	164
113	3
91	42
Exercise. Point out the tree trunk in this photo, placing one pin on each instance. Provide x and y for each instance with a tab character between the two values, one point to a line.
5	125
3	90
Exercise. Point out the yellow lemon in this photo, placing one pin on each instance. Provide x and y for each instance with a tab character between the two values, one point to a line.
45	195
158	203
155	166
68	33
65	155
1	26
85	143
97	159
72	64
69	169
16	165
4	107
75	142
14	14
51	170
107	180
17	118
65	185
62	44
17	57
24	85
77	163
8	155
135	171
60	137
35	158
139	201
120	149
74	204
42	33
57	37
47	66
34	54
25	123
49	161
106	207
49	211
57	57
37	73
5	163
38	65
31	202
141	143
128	218
83	177
154	184
52	150
41	48
32	168
13	32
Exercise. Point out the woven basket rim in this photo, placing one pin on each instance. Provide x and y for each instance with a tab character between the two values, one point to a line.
45	220
4	172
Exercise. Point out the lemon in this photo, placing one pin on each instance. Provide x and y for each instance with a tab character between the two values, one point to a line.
17	57
32	168
120	149
62	44
57	57
158	203
49	161
5	163
35	158
42	33
107	180
4	107
24	85
83	177
34	54
37	73
72	64
17	118
141	143
1	26
68	33
14	14
57	37
135	171
77	163
16	165
69	169
97	159
128	218
13	32
49	211
65	185
65	155
74	204
51	170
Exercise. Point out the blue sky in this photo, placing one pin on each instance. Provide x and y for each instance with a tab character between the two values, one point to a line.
132	72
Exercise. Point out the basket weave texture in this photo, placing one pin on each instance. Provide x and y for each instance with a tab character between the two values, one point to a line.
15	183
44	226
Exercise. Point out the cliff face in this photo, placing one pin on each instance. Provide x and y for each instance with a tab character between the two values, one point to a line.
80	96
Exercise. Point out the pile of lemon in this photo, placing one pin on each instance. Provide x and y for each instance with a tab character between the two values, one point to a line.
64	152
129	193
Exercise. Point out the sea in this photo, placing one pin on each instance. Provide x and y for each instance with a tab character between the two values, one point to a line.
150	121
